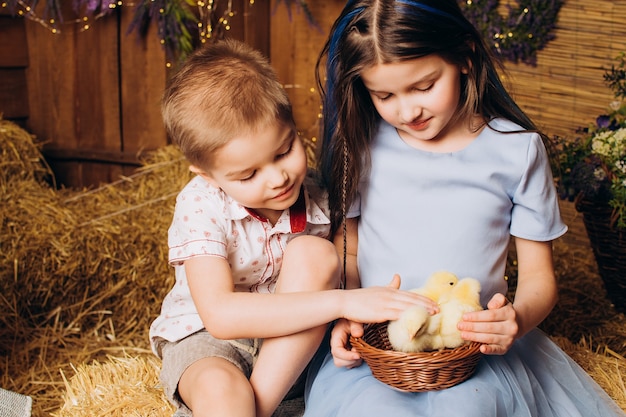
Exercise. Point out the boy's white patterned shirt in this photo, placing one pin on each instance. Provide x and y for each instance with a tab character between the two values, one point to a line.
208	222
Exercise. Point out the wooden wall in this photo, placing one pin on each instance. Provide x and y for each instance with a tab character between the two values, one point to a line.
92	96
13	64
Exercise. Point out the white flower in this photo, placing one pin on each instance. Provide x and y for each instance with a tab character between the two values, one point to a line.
610	145
599	174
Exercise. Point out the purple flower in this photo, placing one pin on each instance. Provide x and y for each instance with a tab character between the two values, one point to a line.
603	121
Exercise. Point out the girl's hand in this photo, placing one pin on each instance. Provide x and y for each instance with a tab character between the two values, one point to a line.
496	327
345	355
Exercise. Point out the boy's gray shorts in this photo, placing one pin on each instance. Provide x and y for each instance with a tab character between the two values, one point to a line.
178	356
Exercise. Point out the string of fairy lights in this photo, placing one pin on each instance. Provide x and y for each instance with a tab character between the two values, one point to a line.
182	25
516	30
52	16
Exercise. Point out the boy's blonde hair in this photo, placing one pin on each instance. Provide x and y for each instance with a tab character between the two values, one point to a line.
222	90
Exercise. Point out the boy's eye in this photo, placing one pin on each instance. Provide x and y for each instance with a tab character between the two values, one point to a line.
282	155
249	177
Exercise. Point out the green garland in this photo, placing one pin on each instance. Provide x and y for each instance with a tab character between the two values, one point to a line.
522	33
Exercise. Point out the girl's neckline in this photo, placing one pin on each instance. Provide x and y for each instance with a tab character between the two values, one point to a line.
435	149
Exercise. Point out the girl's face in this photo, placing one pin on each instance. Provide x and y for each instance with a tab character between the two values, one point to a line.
420	98
261	170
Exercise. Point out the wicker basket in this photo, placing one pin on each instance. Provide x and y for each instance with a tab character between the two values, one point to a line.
415	372
609	249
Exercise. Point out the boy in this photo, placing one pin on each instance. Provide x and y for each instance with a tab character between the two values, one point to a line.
248	243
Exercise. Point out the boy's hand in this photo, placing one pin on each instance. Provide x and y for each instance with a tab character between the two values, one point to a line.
370	305
379	304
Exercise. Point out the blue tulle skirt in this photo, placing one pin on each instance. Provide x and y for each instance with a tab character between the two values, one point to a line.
535	378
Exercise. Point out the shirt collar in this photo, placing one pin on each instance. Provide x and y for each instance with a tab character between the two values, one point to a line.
305	210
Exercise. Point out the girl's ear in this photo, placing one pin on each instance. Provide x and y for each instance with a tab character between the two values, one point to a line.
204	174
465	69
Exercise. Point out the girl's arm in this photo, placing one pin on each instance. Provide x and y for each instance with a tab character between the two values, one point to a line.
536	294
343	354
352	240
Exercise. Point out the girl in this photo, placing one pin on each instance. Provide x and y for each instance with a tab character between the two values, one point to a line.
431	163
255	274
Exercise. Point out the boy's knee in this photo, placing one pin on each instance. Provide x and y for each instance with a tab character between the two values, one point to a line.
314	256
311	247
212	383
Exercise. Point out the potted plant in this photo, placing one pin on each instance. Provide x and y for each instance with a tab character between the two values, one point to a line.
591	171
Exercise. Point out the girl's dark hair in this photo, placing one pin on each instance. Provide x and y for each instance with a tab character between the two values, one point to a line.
370	32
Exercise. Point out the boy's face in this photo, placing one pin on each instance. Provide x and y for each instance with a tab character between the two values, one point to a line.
262	171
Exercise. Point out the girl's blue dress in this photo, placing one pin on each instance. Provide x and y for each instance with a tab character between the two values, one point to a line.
422	212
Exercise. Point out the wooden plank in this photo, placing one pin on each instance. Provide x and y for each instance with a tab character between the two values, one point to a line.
295	46
93	155
51	84
13	94
96	86
142	80
256	24
79	175
13	45
73	89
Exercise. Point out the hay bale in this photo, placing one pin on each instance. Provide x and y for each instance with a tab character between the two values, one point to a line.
67	253
119	387
79	269
20	156
129	386
606	367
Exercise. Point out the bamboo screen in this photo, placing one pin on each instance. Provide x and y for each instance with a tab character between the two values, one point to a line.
566	89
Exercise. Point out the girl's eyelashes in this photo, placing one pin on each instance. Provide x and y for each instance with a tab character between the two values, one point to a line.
385	97
423	90
382	97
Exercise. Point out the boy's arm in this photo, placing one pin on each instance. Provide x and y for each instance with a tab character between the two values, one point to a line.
352	240
228	314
